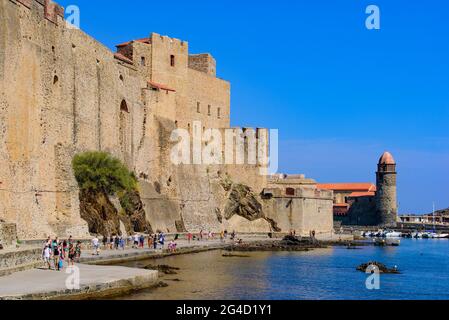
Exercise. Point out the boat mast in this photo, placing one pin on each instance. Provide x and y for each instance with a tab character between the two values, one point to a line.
433	216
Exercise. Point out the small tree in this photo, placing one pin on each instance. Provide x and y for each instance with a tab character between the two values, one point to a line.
100	172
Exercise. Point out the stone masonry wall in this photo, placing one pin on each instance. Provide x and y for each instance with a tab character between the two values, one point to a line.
62	92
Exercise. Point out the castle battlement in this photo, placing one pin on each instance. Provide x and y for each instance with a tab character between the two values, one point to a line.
52	11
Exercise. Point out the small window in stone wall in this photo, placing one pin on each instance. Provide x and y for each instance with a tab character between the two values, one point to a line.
219	113
172	60
290	192
208	110
198	107
142	61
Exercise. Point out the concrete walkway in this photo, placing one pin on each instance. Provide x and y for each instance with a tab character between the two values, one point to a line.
94	281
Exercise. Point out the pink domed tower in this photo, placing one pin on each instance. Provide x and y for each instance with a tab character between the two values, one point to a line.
386	196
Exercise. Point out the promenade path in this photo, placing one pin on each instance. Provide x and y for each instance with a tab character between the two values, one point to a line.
48	284
97	279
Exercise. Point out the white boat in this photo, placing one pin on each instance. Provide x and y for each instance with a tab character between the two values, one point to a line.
441	236
393	234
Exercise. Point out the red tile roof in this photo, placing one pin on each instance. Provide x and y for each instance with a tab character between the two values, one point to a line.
160	86
362	194
354	187
121	57
144	40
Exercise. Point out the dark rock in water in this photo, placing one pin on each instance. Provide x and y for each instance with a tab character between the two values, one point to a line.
288	245
291	240
382	268
163	268
231	255
352	246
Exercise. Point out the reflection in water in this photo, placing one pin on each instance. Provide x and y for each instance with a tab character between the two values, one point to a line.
319	274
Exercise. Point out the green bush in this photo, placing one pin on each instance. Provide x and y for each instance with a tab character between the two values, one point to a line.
99	171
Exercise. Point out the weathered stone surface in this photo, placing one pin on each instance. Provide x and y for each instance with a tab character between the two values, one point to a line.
8	235
71	94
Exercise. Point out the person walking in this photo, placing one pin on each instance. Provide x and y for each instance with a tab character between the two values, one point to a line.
155	237
56	255
150	241
78	251
162	240
142	241
116	242
72	255
135	241
46	255
122	243
189	237
65	249
111	242
105	242
96	246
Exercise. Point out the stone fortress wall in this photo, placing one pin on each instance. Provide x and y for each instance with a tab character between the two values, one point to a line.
62	92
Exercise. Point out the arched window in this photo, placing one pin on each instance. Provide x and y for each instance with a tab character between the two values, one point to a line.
124	106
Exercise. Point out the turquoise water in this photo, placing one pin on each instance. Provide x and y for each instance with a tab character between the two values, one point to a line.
327	274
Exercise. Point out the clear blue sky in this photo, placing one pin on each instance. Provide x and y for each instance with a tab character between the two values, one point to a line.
339	94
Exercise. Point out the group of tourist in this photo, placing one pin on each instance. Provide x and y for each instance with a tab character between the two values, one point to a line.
55	252
136	241
210	236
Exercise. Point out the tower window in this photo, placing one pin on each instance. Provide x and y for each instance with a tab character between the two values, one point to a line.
172	60
219	113
208	110
198	107
142	61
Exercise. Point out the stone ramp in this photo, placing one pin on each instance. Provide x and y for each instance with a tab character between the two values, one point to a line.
95	282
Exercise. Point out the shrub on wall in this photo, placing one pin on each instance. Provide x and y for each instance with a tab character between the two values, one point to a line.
100	172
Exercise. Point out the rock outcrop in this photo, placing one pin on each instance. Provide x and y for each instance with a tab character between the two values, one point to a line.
103	218
365	267
243	202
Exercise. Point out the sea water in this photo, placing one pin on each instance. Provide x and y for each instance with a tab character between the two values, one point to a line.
328	274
